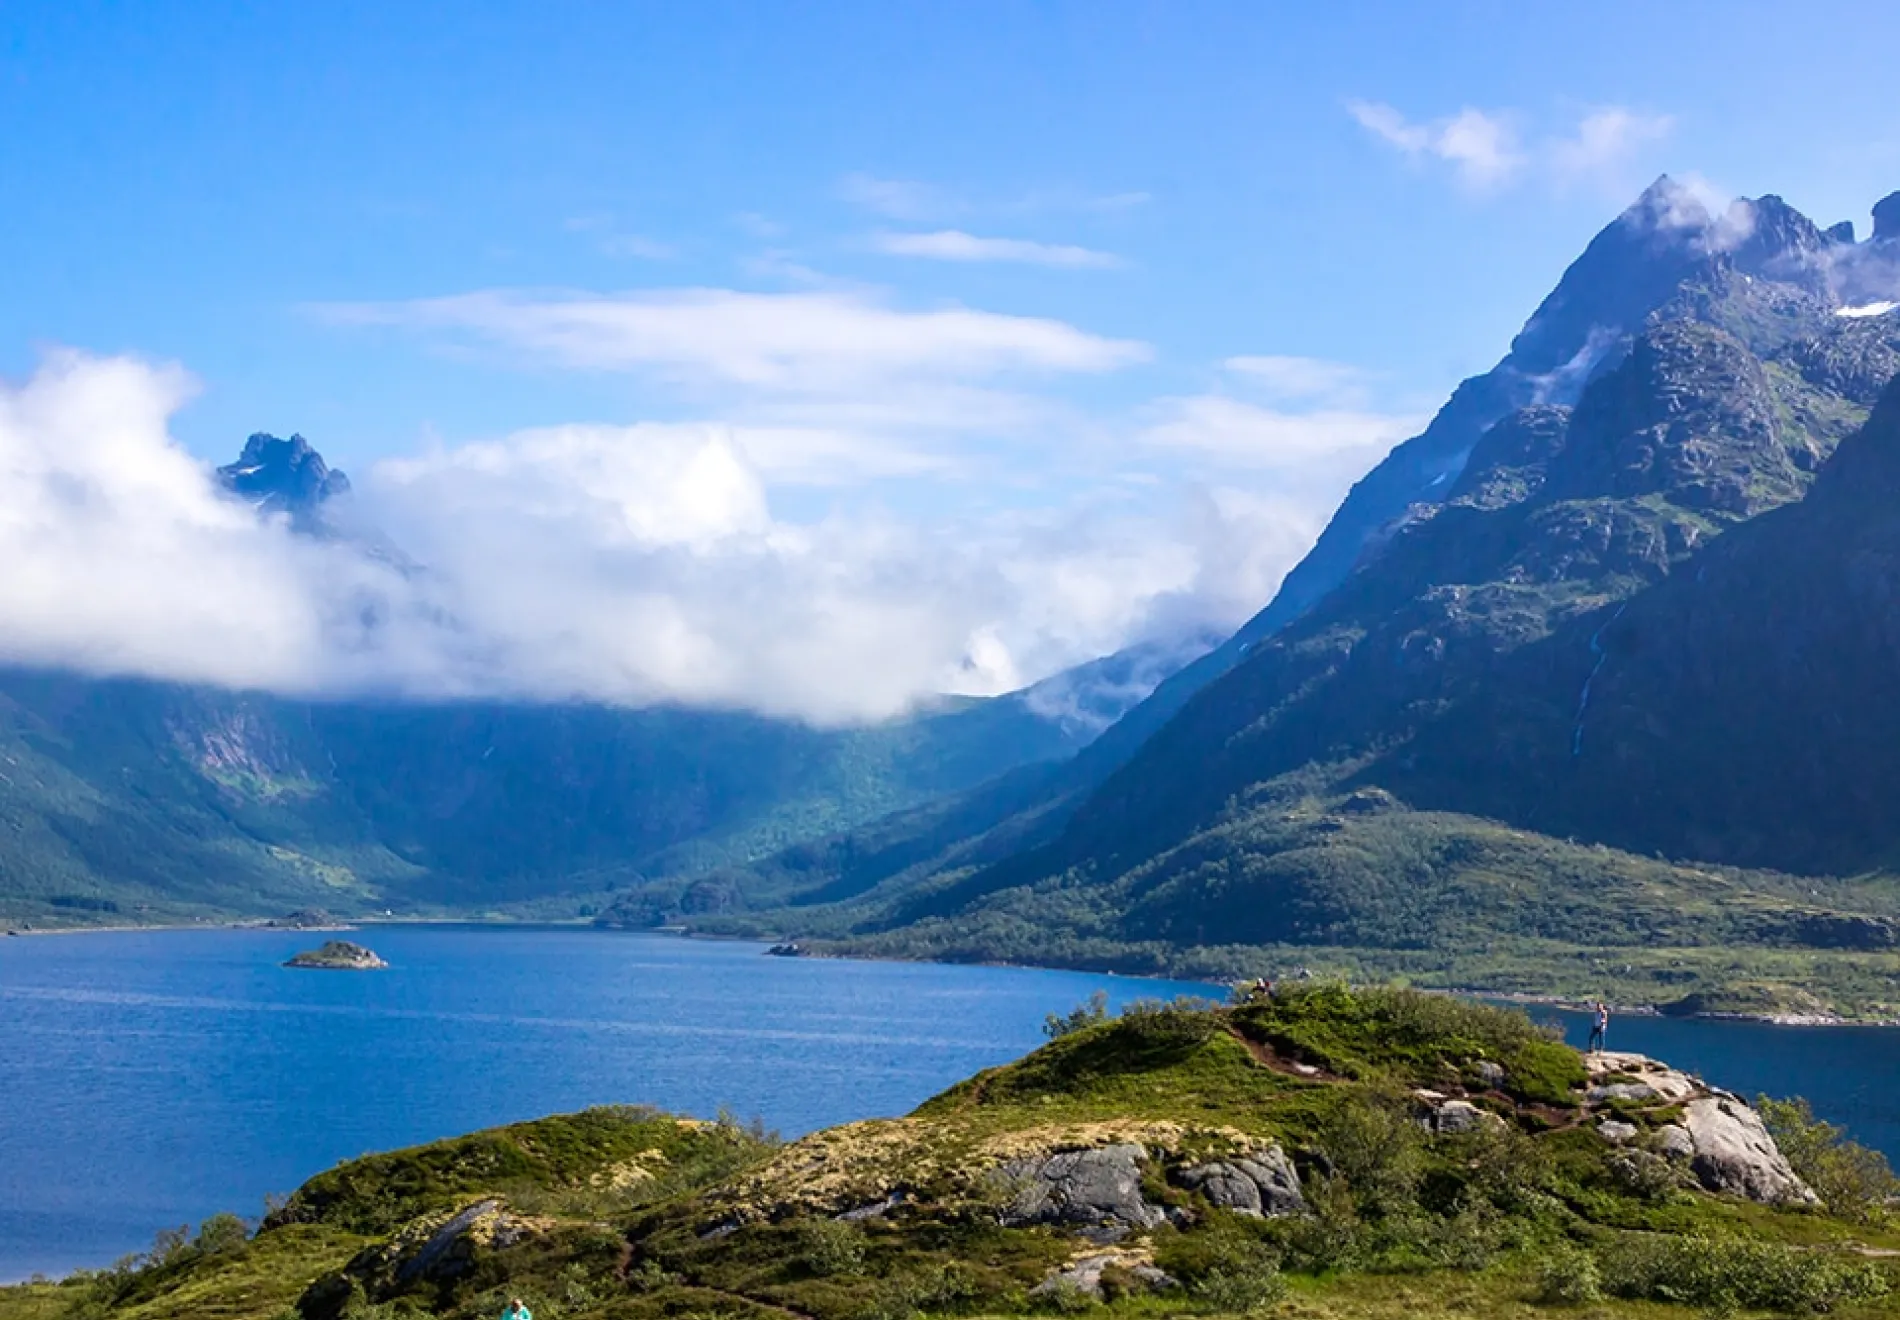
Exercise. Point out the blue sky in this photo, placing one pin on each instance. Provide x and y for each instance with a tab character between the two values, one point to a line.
1046	278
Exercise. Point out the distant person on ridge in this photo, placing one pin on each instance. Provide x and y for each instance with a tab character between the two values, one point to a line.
1599	1027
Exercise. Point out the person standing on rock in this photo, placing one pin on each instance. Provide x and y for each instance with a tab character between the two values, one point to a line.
1599	1027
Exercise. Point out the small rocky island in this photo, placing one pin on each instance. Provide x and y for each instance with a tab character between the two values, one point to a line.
338	955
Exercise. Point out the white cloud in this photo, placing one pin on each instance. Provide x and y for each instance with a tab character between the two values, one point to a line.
629	564
1307	420
1246	435
1299	377
1481	148
900	199
798	342
1486	151
122	558
616	242
955	245
1603	144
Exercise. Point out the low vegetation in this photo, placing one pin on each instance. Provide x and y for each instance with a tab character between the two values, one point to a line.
1337	1096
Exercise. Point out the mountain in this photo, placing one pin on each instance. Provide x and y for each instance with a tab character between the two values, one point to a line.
1761	270
125	799
1715	364
124	796
1370	1153
284	476
1743	712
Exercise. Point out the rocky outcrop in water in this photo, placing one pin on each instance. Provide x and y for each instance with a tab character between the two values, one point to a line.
338	956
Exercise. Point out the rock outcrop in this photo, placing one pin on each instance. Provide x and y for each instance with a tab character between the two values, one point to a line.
338	955
1440	1115
1084	1276
1723	1140
435	1250
1098	1189
1734	1154
1262	1185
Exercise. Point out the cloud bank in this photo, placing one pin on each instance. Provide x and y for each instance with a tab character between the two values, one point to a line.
632	564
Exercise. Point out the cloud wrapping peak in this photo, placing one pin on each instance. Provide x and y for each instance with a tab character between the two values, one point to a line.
123	558
955	245
625	564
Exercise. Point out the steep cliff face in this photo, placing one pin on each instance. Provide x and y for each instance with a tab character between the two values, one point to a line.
1745	710
1559	516
1666	256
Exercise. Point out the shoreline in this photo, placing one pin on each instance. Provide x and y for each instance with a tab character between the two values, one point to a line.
1562	1003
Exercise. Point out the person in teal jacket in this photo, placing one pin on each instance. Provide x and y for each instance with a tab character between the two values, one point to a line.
517	1310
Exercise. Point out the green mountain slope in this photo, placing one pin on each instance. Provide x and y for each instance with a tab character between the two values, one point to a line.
123	799
1267	820
1743	712
1325	1153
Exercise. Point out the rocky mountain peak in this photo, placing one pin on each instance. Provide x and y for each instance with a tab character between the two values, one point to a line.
1887	218
283	476
1767	233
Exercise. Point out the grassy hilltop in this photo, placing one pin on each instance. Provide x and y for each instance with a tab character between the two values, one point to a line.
1333	1152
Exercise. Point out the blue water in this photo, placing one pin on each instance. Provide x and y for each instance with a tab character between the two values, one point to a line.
151	1079
154	1078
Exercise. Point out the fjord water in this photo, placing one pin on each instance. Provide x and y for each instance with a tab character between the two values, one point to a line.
154	1078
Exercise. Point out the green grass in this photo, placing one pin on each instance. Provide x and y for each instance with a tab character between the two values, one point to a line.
551	1164
624	1214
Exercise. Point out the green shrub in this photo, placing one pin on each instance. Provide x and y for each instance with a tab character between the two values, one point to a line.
1065	1297
1643	1174
1185	1021
1330	1236
1506	1166
1092	1012
1729	1274
1241	1292
1570	1277
221	1233
1377	1148
1470	1239
935	1288
1226	1245
828	1247
1851	1180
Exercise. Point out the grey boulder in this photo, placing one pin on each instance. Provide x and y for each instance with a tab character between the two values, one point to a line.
1262	1185
1614	1132
1674	1141
1090	1188
1085	1276
1735	1155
